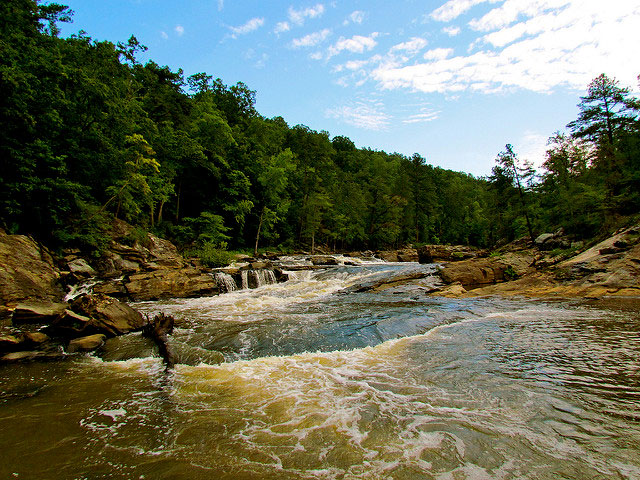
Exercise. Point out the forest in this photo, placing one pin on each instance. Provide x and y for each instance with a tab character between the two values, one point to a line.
89	133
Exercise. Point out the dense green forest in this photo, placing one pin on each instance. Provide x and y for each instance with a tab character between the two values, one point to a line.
88	133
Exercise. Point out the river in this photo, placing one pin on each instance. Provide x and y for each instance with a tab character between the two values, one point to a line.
320	381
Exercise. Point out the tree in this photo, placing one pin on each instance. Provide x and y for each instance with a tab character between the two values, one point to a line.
520	172
605	109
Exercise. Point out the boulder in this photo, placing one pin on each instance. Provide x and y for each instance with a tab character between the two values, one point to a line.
324	260
477	272
408	255
388	256
19	356
70	324
86	344
9	343
447	253
552	241
37	312
107	315
27	272
80	268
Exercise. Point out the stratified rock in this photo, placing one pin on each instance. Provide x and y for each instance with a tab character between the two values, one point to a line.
37	312
108	315
185	282
86	344
447	253
28	272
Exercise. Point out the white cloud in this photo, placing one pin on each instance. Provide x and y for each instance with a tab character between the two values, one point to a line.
454	8
250	26
179	29
451	31
438	54
356	17
220	5
533	147
424	116
412	46
355	44
298	17
164	35
536	45
361	115
281	27
312	39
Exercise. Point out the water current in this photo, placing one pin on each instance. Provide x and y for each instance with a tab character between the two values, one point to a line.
321	381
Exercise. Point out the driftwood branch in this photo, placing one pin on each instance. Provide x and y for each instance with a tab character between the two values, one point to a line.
159	330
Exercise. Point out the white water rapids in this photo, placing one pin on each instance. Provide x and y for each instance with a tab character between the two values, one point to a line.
322	382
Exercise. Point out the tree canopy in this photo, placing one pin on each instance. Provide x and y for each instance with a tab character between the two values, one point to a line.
89	133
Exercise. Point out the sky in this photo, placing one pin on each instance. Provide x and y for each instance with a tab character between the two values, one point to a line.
454	81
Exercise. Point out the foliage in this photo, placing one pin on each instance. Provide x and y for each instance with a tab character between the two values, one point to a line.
90	133
212	255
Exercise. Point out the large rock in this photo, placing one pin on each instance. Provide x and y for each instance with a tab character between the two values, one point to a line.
477	272
107	315
37	312
324	260
448	253
27	272
186	282
552	241
86	344
403	255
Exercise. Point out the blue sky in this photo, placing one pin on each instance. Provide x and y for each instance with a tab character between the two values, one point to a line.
451	80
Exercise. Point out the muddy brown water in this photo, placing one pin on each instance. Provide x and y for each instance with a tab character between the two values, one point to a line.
319	383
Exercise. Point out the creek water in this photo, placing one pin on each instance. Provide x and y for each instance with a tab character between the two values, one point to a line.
320	381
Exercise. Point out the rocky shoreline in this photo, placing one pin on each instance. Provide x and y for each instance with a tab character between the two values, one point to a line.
45	314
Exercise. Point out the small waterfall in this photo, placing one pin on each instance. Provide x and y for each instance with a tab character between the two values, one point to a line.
225	282
80	289
245	279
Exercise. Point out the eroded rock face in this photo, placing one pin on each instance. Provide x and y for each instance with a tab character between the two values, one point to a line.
28	272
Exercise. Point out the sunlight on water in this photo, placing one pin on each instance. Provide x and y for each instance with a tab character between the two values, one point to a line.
320	384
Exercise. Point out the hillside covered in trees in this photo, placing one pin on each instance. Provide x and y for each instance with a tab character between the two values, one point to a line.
89	133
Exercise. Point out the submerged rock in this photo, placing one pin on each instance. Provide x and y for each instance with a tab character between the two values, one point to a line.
86	344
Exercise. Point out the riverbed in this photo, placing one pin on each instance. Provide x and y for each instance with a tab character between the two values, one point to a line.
322	381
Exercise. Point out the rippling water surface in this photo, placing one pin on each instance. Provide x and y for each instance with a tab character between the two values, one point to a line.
320	382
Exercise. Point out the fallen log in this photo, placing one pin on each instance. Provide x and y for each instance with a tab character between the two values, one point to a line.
159	330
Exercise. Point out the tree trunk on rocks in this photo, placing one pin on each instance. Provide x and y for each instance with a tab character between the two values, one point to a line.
159	330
